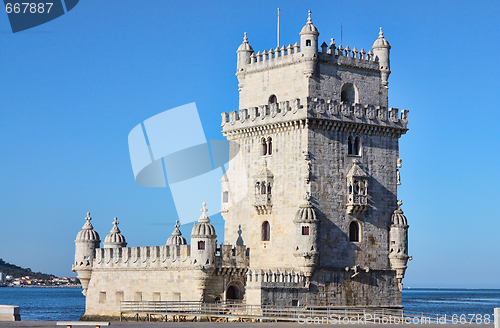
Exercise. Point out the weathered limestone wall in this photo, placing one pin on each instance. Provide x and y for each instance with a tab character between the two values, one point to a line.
242	222
330	164
284	80
337	288
108	287
330	79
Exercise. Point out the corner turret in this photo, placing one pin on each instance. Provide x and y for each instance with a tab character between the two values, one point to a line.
309	46
398	248
115	238
86	242
381	51
244	52
309	38
203	240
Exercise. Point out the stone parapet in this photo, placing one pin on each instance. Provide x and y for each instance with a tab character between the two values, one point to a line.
285	112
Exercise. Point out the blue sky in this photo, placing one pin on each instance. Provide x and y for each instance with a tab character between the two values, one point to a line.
72	90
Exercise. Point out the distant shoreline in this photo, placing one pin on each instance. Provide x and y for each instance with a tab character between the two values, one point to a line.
61	286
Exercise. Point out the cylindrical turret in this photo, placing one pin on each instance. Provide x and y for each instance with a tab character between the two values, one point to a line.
398	244
306	232
309	38
309	46
381	51
244	52
203	241
86	242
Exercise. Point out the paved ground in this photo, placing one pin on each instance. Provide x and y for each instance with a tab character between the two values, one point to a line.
44	324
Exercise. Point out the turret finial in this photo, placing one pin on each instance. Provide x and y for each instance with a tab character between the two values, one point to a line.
400	203
245	38
309	20
115	228
380	34
204	217
88	225
307	197
177	224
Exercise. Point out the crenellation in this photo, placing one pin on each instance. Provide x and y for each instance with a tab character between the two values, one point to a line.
328	109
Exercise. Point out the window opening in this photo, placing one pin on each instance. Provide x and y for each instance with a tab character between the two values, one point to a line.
354	231
266	231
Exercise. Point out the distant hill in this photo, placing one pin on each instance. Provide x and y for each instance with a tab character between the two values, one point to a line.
18	272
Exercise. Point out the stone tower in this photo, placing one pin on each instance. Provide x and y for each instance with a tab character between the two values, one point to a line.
312	185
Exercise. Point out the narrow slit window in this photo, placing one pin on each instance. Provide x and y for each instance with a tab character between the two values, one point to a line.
354	231
266	231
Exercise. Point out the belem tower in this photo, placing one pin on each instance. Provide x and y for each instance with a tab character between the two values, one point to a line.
312	220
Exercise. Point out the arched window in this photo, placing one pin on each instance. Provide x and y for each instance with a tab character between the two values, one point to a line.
273	99
270	146
348	93
308	43
201	245
266	231
257	188
264	147
269	188
354	231
225	197
354	146
263	188
305	231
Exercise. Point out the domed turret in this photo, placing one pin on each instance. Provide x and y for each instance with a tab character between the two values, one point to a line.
115	238
398	248
86	242
88	234
306	231
176	238
203	241
309	38
381	50
244	52
203	228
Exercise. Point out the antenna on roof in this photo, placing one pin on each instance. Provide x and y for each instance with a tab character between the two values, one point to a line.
279	27
340	33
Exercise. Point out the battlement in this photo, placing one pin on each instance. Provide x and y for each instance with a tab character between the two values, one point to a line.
165	256
315	108
329	54
275	279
